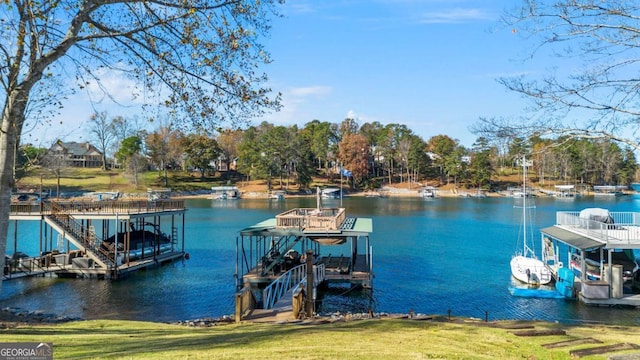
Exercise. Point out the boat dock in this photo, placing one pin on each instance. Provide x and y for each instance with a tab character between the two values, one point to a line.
577	237
96	239
282	263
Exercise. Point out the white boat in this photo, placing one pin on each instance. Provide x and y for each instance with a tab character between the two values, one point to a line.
277	195
524	265
225	193
427	192
331	193
564	191
608	190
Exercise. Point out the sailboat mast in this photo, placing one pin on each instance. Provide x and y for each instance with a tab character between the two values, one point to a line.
524	202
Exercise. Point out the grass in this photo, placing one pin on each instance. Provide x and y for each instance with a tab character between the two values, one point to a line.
90	179
364	339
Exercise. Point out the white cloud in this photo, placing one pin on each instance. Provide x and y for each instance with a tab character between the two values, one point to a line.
114	85
457	15
303	92
297	102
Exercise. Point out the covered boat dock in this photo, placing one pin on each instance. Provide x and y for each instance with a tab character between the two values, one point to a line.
96	239
275	257
594	243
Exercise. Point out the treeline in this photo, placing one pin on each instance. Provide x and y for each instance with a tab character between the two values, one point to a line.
371	155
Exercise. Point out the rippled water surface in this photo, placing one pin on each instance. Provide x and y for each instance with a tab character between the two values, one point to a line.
434	256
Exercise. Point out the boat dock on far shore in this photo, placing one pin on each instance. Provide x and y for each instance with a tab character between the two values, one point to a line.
579	234
96	239
284	262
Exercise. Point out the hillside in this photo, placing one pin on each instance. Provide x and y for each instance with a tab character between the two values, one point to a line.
77	181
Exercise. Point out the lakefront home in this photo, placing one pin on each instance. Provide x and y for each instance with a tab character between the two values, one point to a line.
76	154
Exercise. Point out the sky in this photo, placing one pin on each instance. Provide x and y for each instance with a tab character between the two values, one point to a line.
432	65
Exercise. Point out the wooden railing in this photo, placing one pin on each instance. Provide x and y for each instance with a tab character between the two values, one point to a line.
245	301
80	233
100	207
311	218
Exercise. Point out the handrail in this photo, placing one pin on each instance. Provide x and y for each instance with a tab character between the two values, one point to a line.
274	291
615	233
77	230
319	272
99	207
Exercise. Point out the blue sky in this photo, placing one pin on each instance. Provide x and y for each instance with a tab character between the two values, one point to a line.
429	64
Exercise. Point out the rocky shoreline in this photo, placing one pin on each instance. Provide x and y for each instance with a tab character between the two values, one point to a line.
10	317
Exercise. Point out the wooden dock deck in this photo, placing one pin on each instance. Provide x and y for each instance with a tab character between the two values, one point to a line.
281	312
98	239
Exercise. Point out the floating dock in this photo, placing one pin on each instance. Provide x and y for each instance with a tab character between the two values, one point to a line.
276	257
607	234
96	239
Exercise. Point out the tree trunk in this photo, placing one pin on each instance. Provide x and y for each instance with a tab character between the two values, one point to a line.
12	119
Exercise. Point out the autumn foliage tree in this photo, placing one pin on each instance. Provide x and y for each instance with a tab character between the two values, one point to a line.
164	150
353	154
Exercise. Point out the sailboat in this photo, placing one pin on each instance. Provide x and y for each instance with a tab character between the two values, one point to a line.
524	265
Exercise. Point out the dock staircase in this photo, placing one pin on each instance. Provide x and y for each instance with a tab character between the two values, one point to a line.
277	252
83	238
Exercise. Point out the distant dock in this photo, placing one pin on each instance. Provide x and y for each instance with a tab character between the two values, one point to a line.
276	258
96	239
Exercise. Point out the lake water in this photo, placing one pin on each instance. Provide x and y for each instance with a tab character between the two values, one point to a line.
430	256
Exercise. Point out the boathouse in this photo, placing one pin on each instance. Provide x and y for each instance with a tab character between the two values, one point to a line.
598	246
95	239
276	257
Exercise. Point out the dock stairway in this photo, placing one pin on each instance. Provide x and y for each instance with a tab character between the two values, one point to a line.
82	238
276	255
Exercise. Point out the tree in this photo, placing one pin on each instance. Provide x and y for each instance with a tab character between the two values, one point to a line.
229	141
103	132
322	141
56	162
480	168
353	152
129	156
164	149
203	55
27	157
593	94
442	146
199	151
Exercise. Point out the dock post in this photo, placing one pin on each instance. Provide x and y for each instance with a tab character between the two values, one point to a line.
309	305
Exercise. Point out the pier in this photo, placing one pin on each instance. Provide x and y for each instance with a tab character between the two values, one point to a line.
96	239
282	263
578	236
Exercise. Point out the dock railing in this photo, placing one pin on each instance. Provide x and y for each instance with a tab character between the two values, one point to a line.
312	218
297	295
100	207
291	279
274	291
622	229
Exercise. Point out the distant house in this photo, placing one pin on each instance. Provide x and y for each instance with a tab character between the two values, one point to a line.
76	154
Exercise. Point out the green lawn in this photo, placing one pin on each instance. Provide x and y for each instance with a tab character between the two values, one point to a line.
79	180
364	339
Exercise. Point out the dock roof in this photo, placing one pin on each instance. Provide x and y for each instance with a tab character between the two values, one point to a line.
571	238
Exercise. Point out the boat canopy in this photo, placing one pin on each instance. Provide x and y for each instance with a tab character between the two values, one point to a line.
597	214
572	239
